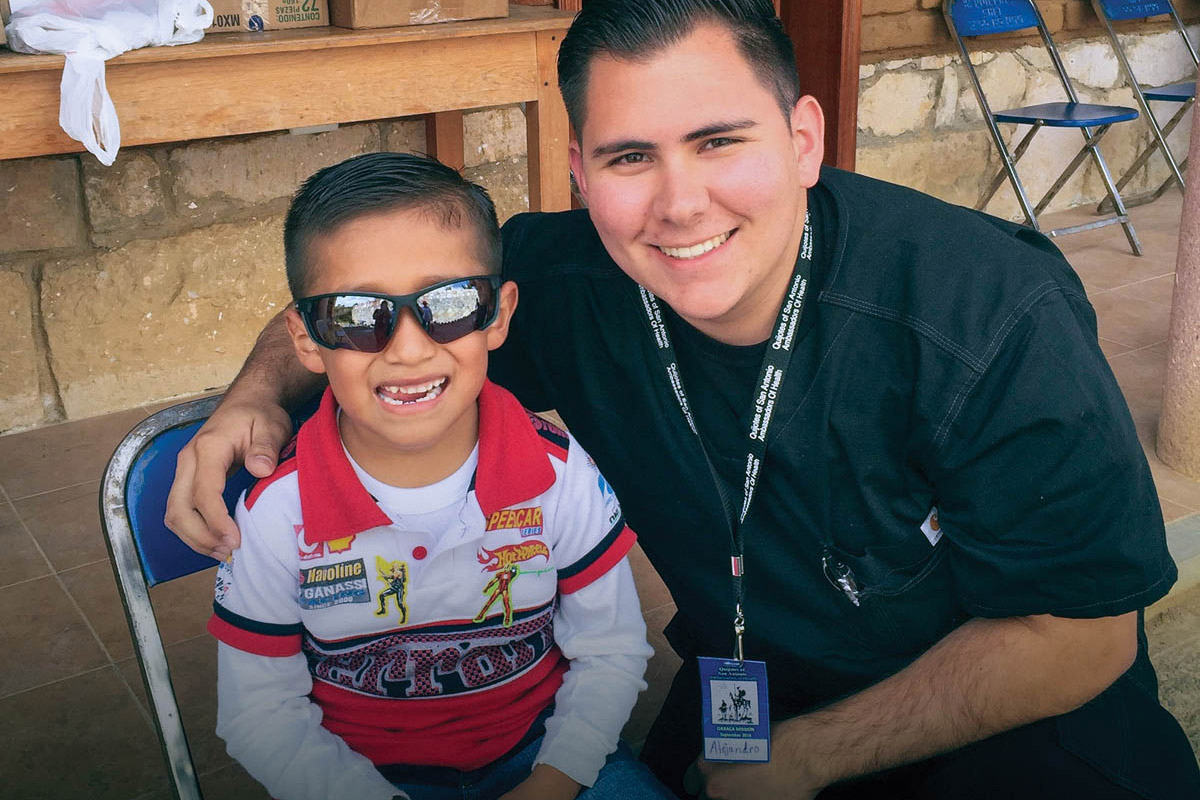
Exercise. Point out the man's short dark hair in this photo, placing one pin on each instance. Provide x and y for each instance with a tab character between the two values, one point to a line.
634	30
380	182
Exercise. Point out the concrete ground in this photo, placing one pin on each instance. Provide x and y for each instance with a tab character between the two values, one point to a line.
72	701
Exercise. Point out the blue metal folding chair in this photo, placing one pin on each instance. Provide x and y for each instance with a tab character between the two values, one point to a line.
144	553
1181	94
974	18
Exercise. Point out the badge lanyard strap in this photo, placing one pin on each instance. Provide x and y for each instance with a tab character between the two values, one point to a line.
776	359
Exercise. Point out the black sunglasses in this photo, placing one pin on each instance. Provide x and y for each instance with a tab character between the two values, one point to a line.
365	321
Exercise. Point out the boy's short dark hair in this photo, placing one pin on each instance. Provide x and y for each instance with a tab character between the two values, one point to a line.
633	30
378	182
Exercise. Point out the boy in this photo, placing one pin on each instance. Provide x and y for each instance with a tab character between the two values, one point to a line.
436	597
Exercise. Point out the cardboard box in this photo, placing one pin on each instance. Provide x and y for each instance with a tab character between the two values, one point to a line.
387	13
267	15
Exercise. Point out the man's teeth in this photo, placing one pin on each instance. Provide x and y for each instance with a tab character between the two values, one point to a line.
696	249
421	393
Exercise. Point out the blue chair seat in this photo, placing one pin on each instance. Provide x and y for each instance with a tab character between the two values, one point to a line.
1067	115
1175	93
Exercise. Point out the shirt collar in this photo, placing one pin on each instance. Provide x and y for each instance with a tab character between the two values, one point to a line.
513	467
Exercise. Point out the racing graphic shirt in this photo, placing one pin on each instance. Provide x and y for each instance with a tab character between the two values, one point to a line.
431	625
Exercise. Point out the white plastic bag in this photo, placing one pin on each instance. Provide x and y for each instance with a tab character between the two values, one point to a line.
88	33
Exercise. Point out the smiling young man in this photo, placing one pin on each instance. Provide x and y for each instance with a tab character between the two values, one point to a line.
892	412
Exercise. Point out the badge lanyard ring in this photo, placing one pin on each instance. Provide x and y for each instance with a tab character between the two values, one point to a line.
775	363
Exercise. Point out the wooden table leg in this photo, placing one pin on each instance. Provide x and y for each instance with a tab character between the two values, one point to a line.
547	133
444	137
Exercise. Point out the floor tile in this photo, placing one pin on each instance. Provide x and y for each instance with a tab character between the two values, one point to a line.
183	606
1174	486
232	783
1156	290
1140	376
193	666
1129	321
652	592
22	561
66	523
95	590
1110	348
1100	268
50	458
1173	511
43	638
82	737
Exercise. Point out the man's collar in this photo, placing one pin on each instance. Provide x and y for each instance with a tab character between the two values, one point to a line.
513	467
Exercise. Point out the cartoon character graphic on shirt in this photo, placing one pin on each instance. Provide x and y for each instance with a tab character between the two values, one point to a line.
505	563
394	575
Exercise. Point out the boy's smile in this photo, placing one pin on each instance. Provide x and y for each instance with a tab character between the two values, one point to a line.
409	415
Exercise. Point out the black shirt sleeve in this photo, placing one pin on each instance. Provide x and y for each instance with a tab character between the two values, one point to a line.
1043	489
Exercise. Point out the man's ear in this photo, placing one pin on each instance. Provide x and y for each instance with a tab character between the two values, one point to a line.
307	351
497	332
575	157
808	138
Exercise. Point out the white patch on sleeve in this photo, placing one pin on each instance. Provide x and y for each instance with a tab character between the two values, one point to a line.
931	528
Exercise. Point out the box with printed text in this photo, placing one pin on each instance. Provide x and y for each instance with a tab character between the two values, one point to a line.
267	15
388	13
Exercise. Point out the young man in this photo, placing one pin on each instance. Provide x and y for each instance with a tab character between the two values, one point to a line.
951	528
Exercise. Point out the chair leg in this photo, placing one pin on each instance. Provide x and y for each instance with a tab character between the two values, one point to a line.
1016	157
1066	174
1011	170
1122	214
1158	141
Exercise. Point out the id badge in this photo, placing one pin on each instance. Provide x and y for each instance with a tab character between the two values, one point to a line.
735	715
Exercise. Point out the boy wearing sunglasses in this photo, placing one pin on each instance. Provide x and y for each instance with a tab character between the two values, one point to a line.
436	600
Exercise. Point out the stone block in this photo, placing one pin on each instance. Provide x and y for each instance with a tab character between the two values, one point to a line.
1036	56
951	166
127	195
872	7
897	103
910	29
405	135
493	134
1158	59
20	398
507	182
1003	80
160	318
1091	64
947	102
930	4
216	177
866	71
40	206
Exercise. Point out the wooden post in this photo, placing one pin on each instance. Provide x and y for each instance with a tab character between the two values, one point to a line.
444	137
547	132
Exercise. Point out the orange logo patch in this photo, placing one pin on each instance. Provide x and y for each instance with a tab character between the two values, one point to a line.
504	557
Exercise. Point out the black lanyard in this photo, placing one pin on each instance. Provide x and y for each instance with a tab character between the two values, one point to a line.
768	389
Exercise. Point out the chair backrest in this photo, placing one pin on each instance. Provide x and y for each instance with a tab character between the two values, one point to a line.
145	552
983	17
1110	11
1135	9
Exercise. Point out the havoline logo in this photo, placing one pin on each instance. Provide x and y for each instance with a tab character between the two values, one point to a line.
334	584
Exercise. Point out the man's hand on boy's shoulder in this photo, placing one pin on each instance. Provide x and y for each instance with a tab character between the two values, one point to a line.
544	783
239	431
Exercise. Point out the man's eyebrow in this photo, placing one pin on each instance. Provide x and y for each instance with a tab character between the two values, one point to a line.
612	148
717	128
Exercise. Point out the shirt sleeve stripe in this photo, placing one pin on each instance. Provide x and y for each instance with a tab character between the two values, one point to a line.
600	560
257	643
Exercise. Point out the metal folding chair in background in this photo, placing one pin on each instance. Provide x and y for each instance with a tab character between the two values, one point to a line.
144	553
976	18
1181	94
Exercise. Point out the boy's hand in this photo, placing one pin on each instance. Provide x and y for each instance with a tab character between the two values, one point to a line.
544	783
253	432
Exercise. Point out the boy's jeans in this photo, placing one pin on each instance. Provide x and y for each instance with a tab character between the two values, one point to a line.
622	778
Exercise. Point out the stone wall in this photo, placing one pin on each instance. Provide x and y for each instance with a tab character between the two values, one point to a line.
919	123
917	27
149	279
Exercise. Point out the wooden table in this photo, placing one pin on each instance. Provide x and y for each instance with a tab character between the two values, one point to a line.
238	83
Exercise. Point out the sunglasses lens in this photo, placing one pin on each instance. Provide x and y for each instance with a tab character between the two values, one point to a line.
452	311
353	322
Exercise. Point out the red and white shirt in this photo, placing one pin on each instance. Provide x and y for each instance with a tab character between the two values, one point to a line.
364	624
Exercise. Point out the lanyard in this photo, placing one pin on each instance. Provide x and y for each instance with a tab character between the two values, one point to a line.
775	363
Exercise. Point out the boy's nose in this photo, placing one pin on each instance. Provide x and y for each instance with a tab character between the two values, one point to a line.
410	344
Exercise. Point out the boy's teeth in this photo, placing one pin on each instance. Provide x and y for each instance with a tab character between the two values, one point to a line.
696	249
421	393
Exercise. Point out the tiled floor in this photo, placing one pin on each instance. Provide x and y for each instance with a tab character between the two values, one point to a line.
75	719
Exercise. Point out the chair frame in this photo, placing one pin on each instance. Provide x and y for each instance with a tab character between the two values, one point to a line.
1010	159
1159	132
135	594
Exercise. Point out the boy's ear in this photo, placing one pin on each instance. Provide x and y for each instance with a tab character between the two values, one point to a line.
497	332
307	351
